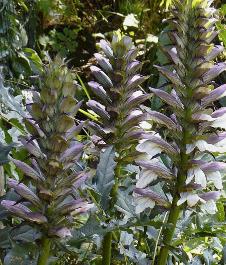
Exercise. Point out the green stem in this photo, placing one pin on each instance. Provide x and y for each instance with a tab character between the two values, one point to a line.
169	230
44	252
106	260
106	245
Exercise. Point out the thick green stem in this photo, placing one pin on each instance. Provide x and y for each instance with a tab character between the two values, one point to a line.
169	230
44	252
106	260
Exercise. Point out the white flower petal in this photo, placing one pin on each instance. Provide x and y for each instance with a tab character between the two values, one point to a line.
126	238
205	117
145	125
137	93
136	112
183	198
200	177
190	175
192	199
221	143
142	203
144	156
209	207
220	122
204	146
145	177
149	147
216	178
189	148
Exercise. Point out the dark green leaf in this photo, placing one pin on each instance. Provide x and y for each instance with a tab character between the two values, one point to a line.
4	235
25	233
19	255
124	204
35	61
4	151
87	231
105	175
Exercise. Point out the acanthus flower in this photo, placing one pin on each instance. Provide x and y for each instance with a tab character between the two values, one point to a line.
120	118
50	199
118	94
191	129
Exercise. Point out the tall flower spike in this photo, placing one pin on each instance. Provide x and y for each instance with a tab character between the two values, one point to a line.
192	127
119	97
118	93
53	202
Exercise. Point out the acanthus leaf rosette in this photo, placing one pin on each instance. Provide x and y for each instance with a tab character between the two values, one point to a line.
191	129
118	95
51	201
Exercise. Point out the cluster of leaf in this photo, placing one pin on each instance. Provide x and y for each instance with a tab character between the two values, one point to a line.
63	43
60	25
14	55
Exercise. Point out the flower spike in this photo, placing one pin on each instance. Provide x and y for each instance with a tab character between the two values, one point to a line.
54	149
118	92
191	127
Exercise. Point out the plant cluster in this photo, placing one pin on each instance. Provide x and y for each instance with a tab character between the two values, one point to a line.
157	171
52	201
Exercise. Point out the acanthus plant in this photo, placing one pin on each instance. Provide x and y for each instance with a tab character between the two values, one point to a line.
193	129
119	96
51	201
